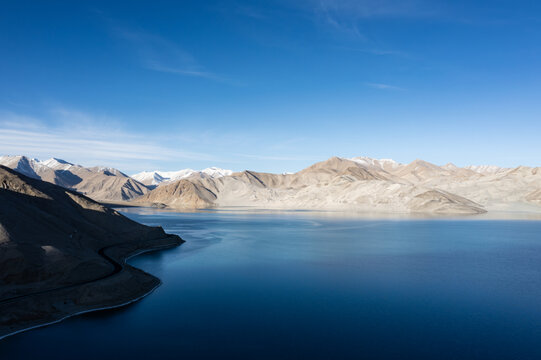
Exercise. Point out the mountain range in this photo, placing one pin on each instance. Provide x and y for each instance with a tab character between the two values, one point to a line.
100	183
355	184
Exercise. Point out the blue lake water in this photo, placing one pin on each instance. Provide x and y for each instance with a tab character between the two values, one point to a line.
313	286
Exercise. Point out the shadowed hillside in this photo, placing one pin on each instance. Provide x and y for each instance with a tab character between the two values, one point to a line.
60	247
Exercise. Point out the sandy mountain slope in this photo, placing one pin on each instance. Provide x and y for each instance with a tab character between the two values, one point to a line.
486	169
101	184
503	189
439	202
180	194
535	196
52	240
336	183
420	170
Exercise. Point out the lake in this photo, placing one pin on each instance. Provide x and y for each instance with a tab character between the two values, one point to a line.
303	285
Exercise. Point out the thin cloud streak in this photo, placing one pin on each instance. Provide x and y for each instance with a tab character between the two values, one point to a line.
110	148
79	146
366	9
193	73
346	16
380	86
98	139
159	54
348	28
250	12
380	52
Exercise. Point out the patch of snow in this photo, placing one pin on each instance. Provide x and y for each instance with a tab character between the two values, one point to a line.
21	164
158	177
109	171
486	169
56	164
377	163
215	172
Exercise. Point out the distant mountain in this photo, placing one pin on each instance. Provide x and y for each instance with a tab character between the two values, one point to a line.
358	184
150	178
486	169
362	184
383	164
99	183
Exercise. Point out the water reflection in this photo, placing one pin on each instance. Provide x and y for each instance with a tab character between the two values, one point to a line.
317	285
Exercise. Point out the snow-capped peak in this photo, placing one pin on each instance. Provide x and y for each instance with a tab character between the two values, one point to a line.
28	166
21	164
57	164
486	169
377	163
158	177
216	172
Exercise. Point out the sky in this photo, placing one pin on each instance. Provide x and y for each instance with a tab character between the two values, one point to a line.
272	85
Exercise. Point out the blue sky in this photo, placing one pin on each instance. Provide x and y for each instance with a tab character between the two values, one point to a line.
270	85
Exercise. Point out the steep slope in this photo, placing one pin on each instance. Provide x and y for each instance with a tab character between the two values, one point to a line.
420	170
149	178
535	196
442	202
57	244
105	186
21	164
180	194
99	183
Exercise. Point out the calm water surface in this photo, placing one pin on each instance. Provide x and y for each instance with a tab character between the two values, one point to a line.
310	286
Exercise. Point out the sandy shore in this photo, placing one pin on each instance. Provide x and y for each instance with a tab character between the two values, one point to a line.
125	285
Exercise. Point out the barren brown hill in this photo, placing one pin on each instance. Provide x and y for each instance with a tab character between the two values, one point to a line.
180	194
101	184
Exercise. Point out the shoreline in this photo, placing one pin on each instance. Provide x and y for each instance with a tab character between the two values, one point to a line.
79	313
144	284
491	215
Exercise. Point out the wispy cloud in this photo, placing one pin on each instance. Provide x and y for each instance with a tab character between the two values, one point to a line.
347	16
378	51
250	12
90	143
347	27
187	72
383	52
381	86
92	139
365	9
157	53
